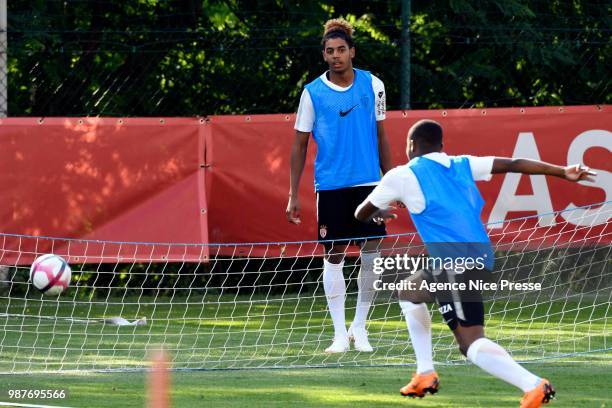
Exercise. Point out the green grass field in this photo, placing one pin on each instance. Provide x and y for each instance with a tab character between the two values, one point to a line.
578	385
226	332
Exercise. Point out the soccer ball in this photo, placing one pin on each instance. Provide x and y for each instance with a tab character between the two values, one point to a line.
50	274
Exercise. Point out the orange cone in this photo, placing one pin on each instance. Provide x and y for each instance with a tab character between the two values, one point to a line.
159	381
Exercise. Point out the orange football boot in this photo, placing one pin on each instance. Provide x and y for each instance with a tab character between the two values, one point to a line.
421	384
541	394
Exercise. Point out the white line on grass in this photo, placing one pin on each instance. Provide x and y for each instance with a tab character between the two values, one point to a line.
15	404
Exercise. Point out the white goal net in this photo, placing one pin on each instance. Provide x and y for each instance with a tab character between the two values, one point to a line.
239	306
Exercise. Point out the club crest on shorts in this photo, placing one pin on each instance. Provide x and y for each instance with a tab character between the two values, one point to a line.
323	231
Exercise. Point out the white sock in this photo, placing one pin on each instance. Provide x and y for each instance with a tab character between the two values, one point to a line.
493	359
335	292
418	321
366	293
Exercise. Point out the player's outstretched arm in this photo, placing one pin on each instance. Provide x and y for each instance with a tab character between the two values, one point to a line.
298	159
574	172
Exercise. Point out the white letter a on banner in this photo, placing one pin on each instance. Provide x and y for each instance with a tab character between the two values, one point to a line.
508	201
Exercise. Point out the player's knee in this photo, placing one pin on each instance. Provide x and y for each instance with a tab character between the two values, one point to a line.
464	344
414	296
371	246
335	253
335	258
465	341
463	348
408	296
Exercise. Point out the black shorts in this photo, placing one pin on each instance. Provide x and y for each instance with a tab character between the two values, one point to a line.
459	307
336	215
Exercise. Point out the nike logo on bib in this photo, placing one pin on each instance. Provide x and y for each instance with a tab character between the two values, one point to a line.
344	113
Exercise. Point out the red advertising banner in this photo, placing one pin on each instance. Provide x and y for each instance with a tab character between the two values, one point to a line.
248	177
225	179
103	179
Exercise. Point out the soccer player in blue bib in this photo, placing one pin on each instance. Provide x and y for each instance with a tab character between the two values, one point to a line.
444	203
344	110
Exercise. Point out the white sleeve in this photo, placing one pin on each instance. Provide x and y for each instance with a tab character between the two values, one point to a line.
481	167
379	98
304	121
387	191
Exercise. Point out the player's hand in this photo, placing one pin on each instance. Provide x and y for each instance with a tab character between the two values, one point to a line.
399	204
578	172
384	216
293	210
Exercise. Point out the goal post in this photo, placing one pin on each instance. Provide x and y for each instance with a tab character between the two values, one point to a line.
246	306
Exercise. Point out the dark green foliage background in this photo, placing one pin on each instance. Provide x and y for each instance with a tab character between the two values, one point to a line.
185	58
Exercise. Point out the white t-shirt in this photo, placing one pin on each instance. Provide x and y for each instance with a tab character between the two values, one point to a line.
305	119
400	183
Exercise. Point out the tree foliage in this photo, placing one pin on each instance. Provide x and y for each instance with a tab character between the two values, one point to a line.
184	58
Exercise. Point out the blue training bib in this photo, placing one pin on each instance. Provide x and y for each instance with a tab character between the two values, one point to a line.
345	133
450	225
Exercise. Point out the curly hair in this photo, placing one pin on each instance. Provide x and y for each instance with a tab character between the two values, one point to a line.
338	28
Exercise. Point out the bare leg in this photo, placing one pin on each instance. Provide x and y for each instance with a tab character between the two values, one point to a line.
466	335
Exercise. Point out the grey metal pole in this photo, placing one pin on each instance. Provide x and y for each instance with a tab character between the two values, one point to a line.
4	270
405	56
3	61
